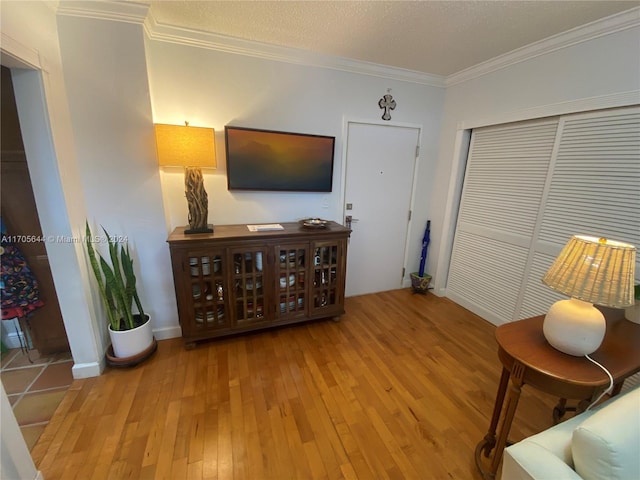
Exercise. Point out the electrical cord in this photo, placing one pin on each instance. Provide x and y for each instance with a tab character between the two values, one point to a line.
608	390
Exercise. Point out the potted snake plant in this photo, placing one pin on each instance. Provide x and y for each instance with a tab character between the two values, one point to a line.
130	331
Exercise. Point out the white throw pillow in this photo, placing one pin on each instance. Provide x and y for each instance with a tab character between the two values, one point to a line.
606	446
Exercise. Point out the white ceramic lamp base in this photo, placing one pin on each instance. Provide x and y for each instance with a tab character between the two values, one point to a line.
574	327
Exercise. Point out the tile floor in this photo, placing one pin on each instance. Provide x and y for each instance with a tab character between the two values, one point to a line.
35	389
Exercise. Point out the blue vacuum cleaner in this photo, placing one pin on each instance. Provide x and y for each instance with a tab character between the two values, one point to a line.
420	281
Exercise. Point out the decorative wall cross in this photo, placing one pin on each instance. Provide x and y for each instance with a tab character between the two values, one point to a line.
387	103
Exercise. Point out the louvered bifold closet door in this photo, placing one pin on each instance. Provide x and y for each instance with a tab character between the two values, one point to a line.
528	187
594	190
504	183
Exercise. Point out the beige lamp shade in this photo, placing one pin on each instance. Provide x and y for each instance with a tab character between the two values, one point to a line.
595	270
185	146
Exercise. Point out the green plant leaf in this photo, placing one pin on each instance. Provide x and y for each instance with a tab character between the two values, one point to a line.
127	268
124	301
105	293
119	301
116	281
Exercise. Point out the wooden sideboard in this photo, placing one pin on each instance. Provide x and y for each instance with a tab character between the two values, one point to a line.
236	280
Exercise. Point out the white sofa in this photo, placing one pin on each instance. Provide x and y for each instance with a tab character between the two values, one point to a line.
602	443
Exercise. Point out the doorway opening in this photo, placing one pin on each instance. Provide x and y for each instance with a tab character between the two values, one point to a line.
42	328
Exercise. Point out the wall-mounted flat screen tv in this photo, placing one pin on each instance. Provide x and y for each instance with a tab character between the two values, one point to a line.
280	161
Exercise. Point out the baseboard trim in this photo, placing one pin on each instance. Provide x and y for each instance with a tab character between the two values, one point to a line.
86	370
167	333
94	369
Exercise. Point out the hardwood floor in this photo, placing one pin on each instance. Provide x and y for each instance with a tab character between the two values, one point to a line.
401	387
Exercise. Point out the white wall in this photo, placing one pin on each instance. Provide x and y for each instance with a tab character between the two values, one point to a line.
599	73
106	79
30	48
213	89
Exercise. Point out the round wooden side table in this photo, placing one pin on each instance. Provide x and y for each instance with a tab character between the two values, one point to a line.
528	359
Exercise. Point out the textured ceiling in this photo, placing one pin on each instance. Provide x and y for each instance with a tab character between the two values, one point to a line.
434	37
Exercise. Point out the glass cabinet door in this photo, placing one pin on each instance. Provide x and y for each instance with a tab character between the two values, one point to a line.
236	280
208	289
248	285
327	274
291	278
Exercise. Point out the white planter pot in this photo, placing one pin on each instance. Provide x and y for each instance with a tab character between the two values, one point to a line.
127	343
633	313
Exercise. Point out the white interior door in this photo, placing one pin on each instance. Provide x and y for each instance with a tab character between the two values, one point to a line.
380	164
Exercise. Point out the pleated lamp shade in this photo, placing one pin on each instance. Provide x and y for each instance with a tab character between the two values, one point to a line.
595	270
590	271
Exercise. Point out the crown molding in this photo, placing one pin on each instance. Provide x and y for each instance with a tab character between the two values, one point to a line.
121	11
223	43
138	12
612	24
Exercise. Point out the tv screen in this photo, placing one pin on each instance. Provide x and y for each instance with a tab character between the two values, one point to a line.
269	160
